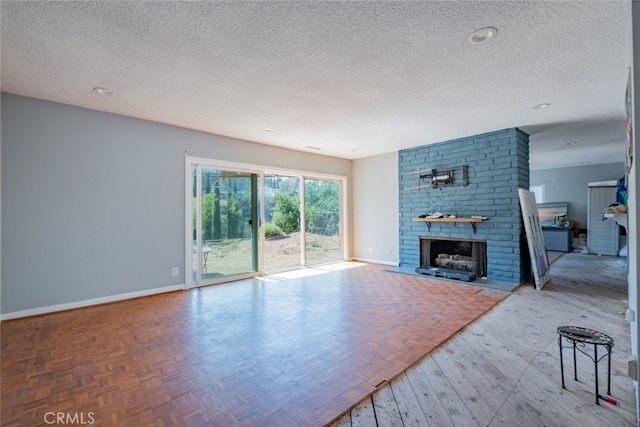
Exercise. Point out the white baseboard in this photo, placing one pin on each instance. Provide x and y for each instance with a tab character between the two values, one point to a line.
89	302
376	261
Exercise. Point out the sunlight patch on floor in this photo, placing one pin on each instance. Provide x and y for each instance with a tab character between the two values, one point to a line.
338	266
312	271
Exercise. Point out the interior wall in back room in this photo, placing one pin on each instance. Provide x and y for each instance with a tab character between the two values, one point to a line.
498	164
571	185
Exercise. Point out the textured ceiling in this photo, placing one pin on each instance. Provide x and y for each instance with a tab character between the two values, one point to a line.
353	79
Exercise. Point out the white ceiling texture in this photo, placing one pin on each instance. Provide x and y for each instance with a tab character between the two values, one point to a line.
341	78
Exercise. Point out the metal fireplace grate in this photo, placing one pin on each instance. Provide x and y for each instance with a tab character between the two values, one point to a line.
466	276
453	258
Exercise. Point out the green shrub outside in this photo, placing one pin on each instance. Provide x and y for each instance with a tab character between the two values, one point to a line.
272	230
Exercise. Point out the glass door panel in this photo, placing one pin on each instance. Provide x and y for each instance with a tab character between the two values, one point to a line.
322	221
282	223
224	223
196	254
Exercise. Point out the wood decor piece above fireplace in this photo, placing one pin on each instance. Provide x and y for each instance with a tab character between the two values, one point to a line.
470	220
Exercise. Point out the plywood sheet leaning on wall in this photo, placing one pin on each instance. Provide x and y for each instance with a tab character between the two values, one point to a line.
535	240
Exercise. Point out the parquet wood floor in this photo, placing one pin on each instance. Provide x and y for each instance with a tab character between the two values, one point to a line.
296	349
504	368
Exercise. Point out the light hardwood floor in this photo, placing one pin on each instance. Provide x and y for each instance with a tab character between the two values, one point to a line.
504	368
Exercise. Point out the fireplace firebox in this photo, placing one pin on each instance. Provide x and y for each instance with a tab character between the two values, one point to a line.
452	258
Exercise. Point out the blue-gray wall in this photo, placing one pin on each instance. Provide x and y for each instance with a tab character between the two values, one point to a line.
570	185
93	203
498	164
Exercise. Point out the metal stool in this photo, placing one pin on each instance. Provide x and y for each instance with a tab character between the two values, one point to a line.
579	337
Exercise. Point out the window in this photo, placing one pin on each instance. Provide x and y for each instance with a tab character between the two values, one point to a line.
538	190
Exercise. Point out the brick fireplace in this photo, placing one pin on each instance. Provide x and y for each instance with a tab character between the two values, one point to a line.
464	259
497	165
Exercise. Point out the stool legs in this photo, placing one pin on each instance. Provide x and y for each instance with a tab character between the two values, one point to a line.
609	372
595	352
561	364
575	335
575	368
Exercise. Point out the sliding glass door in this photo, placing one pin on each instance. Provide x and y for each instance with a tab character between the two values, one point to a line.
242	221
224	218
282	244
303	222
322	221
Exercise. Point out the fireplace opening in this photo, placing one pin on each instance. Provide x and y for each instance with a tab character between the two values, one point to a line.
453	258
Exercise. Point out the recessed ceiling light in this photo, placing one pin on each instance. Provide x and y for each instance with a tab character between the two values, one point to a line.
571	143
267	130
482	35
541	106
102	91
310	147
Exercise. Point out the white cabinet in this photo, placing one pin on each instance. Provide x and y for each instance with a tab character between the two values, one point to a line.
603	237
